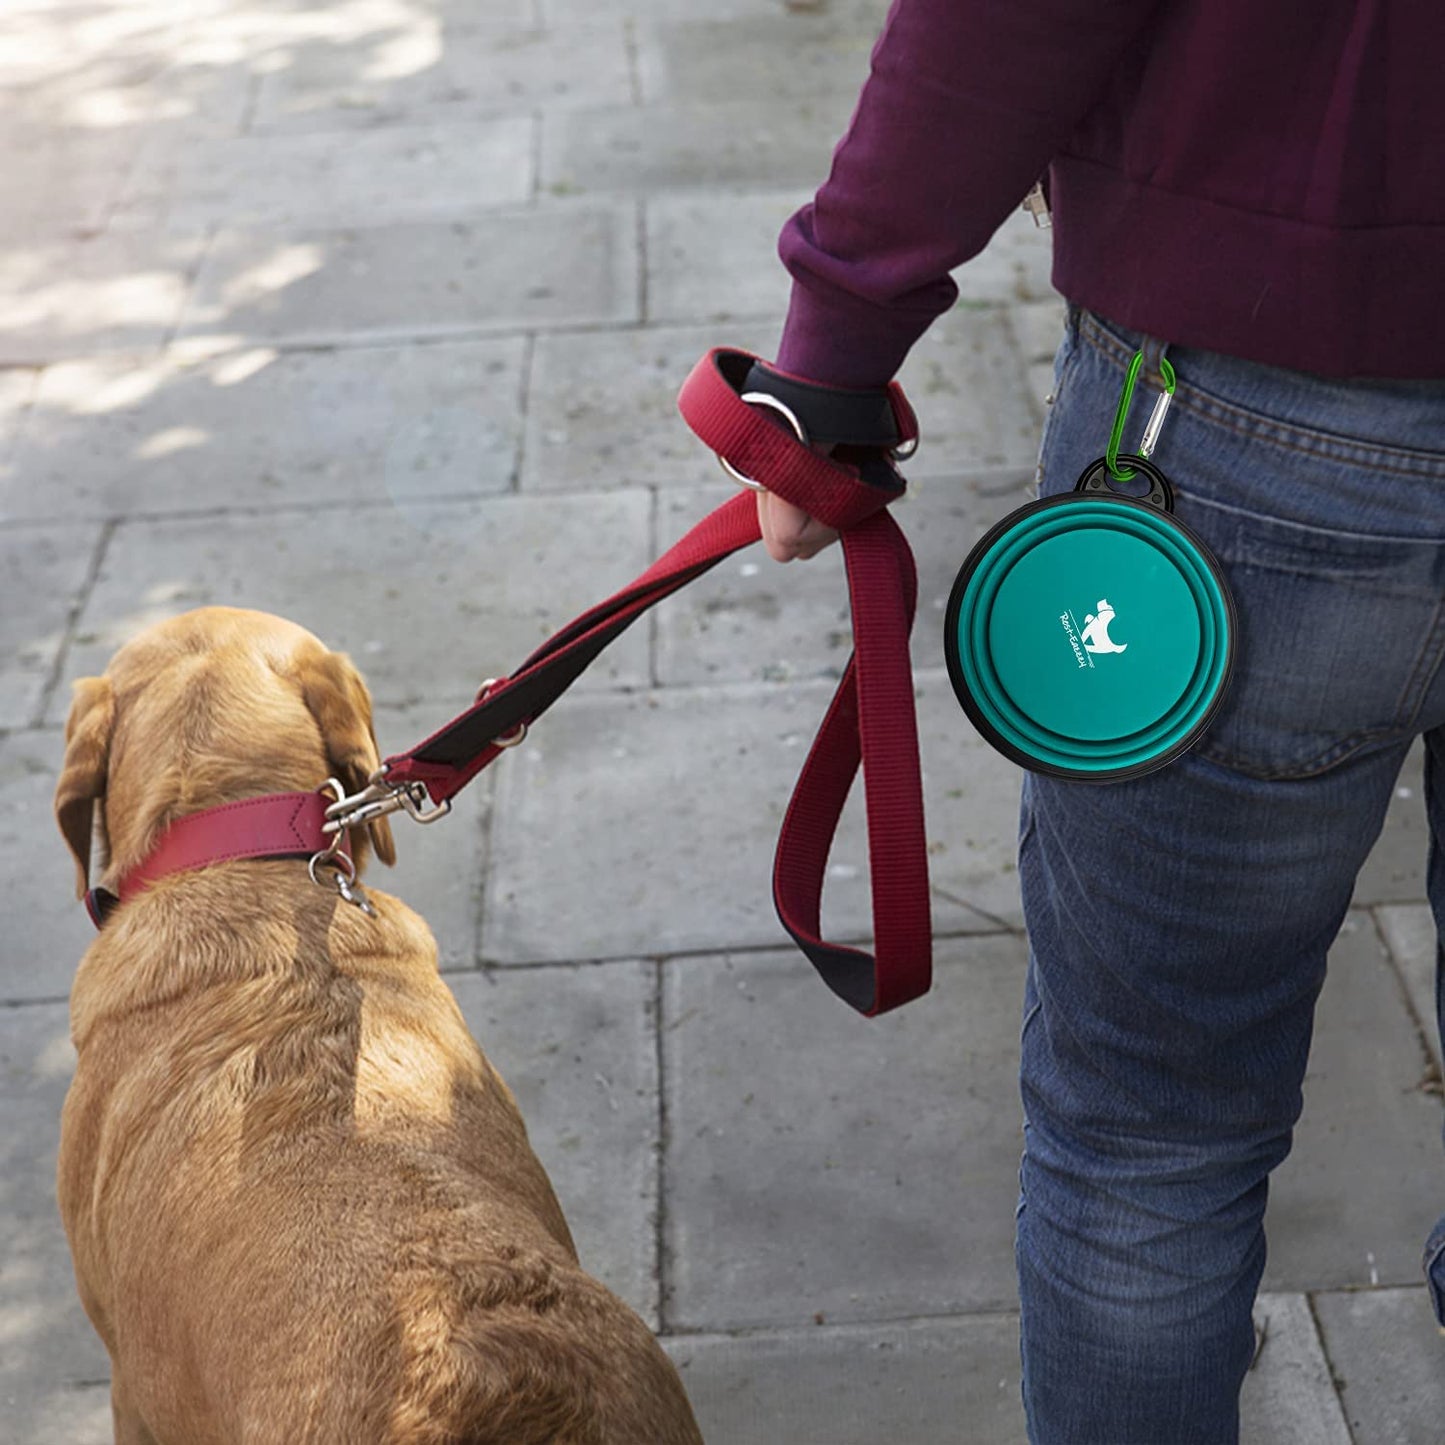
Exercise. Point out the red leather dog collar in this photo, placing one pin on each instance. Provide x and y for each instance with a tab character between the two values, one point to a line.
277	825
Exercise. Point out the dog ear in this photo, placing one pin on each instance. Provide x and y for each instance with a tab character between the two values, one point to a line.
337	698
83	774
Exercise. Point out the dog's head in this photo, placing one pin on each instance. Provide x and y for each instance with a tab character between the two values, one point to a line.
210	707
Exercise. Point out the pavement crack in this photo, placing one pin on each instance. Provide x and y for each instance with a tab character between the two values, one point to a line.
72	620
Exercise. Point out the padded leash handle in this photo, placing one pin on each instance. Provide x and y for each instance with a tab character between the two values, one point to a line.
870	723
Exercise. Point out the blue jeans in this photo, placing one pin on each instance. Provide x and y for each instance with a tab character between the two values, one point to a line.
1179	922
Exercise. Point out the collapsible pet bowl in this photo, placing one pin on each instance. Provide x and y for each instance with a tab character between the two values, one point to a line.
1091	635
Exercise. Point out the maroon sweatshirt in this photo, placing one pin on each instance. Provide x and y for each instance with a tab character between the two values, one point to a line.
1264	178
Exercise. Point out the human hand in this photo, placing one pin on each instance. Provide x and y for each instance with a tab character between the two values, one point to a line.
788	531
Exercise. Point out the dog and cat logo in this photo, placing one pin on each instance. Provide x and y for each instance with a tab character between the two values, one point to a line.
1093	637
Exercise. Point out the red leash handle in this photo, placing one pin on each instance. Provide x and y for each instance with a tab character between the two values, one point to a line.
870	723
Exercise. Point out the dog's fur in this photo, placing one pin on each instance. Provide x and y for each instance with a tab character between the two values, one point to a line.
301	1203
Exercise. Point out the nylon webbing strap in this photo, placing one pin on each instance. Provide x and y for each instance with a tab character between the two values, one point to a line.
870	722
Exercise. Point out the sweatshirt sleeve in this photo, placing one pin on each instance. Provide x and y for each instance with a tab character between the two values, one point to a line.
965	104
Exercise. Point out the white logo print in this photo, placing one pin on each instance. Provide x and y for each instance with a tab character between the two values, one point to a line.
1095	632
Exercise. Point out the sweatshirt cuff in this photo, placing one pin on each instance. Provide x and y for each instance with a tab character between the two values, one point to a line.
838	341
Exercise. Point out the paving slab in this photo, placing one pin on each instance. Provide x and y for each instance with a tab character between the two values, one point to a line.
750	619
1288	1396
607	841
967	382
578	1048
255	427
65	1415
1410	935
1395	869
130	101
162	80
1039	328
803	1171
446	67
60	182
428	599
754	57
113	292
17	387
368	33
44	938
43	573
947	1380
396	173
602	407
35	45
547	266
1389	1362
924	1382
718	143
1015	266
714	257
49	1344
1353	1204
41	44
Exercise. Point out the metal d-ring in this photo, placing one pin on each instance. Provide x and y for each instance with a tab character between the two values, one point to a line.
334	856
1121	414
762	398
346	885
518	733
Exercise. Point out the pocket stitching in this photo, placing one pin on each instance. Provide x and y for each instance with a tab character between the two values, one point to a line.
1313	767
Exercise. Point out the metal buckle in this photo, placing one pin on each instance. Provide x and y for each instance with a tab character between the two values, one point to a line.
763	399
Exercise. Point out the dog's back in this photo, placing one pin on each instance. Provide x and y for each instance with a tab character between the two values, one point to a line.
301	1204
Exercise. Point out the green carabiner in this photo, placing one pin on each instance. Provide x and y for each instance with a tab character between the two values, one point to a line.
1156	420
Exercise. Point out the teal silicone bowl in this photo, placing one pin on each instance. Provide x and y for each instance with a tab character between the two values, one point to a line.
1091	635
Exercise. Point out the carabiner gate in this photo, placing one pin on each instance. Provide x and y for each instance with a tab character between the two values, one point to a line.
1156	417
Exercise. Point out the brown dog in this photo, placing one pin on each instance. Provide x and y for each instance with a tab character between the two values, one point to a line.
302	1206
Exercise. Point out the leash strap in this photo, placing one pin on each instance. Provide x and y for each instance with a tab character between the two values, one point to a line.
870	723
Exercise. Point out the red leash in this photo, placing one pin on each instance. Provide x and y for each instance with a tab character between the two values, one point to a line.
870	722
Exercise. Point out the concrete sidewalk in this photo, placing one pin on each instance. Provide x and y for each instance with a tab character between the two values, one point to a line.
373	314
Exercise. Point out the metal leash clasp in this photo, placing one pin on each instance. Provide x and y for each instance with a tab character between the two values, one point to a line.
380	797
377	799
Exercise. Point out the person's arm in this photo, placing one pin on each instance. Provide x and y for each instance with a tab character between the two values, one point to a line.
967	102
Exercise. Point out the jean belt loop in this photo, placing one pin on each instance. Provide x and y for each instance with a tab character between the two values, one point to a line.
1153	350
